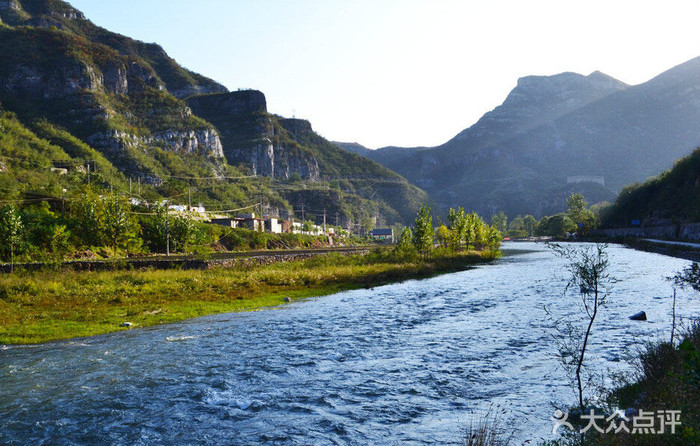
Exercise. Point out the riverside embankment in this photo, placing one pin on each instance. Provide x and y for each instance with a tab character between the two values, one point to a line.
223	259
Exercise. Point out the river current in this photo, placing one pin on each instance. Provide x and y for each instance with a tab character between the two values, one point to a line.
408	363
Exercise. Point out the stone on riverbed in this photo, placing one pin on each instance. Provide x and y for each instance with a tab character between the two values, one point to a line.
641	316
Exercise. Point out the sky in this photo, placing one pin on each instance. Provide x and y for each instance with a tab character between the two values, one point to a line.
404	72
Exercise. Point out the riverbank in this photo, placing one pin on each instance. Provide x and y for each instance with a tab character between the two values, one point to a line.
44	306
678	249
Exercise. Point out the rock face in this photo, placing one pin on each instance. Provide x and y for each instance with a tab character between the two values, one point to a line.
203	142
279	161
251	137
72	76
232	104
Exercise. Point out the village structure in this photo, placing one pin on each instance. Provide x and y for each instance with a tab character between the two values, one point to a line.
268	223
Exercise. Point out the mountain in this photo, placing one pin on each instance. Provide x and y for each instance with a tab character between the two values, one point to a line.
102	101
559	134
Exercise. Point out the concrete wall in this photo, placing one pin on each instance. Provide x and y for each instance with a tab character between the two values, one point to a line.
688	231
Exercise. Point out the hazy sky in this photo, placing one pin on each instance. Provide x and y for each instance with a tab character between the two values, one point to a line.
405	72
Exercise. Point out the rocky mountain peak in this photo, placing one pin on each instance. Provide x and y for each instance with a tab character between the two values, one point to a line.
572	88
15	11
537	100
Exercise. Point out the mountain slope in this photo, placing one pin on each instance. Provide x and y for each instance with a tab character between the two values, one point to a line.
561	132
673	195
125	108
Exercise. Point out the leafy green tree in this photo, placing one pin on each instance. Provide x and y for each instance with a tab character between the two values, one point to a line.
446	238
480	232
578	212
471	233
59	244
88	218
556	226
529	224
516	228
500	221
307	226
183	232
423	231
459	226
103	220
118	224
11	232
493	238
406	238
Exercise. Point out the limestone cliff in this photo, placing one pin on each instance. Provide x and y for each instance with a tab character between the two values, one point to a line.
253	138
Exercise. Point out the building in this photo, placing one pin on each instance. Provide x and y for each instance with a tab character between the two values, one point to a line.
382	235
273	225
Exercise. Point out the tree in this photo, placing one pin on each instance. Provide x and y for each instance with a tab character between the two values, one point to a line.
406	238
88	217
493	238
500	221
578	212
11	231
446	237
104	220
459	225
557	225
688	277
423	231
588	275
118	225
530	224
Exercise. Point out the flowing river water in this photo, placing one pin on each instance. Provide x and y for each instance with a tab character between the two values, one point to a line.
408	363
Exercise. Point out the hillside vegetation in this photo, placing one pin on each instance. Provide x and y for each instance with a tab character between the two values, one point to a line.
673	195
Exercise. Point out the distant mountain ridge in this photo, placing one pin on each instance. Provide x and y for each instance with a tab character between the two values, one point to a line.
553	131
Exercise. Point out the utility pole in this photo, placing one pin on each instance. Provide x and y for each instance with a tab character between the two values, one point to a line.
324	222
129	186
302	213
167	231
139	186
88	173
189	199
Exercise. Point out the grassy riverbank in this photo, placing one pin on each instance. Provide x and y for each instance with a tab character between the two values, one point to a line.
50	305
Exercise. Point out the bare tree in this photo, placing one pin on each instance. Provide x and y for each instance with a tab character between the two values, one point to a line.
589	277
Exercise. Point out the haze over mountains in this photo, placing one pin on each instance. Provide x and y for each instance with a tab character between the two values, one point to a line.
554	135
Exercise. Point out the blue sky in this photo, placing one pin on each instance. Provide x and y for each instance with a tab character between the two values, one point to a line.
408	72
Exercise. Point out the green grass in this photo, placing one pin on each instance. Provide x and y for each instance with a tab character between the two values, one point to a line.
52	305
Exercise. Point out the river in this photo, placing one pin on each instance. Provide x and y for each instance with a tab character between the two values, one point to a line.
408	363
